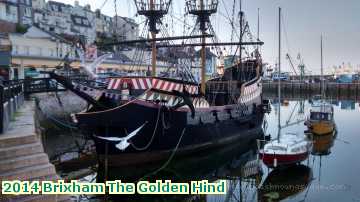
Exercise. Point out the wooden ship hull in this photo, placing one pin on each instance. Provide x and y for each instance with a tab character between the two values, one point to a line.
167	129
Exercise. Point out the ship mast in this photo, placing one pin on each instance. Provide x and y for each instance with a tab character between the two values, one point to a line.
203	11
203	54
153	45
153	10
322	68
279	80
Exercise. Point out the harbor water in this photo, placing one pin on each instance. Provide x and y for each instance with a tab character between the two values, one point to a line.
329	174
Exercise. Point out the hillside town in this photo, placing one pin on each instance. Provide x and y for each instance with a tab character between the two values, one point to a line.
36	35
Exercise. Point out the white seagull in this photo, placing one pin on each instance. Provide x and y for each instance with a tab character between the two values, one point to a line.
123	141
91	69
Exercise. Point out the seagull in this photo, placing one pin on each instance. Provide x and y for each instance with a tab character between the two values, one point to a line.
91	68
123	141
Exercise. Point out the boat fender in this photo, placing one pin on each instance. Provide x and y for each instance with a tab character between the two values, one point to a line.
275	162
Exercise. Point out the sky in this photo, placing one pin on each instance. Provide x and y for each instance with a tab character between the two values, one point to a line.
303	23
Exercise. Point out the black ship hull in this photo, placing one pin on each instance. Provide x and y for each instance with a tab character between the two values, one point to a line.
166	131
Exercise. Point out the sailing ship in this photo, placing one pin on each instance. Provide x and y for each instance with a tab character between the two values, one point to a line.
321	117
155	117
289	149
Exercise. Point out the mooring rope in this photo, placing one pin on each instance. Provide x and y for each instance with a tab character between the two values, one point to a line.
169	160
152	138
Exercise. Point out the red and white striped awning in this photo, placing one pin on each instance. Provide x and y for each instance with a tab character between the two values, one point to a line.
154	83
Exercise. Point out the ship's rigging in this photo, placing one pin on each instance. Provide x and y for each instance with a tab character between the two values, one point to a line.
166	41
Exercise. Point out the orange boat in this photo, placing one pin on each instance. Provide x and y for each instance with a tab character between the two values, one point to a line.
321	119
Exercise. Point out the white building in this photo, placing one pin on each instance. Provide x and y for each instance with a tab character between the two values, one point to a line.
25	12
104	25
65	19
9	11
126	28
37	44
54	17
84	22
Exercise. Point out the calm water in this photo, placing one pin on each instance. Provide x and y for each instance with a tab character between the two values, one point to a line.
335	164
330	174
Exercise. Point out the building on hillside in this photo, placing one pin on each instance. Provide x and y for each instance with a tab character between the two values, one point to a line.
37	44
81	26
125	28
64	19
104	25
9	11
55	17
38	4
84	22
25	12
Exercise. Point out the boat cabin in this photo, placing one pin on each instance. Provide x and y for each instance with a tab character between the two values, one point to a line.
322	112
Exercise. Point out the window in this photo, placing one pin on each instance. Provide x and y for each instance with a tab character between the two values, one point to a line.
51	52
16	49
78	20
27	12
27	50
7	9
40	51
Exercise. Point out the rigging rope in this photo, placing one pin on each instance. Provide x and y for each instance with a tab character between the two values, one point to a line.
152	137
170	158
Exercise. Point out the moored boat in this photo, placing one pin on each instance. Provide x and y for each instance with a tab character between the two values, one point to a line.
288	150
321	119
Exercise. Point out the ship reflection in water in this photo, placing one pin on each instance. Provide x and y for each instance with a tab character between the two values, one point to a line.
327	175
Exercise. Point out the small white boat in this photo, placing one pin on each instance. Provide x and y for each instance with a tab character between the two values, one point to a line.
287	150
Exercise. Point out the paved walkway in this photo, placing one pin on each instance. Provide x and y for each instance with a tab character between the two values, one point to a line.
22	156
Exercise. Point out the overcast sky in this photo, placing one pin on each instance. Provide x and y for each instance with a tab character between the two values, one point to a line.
303	23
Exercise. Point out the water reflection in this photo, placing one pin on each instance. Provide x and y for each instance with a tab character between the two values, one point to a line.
322	144
249	180
238	164
284	183
348	105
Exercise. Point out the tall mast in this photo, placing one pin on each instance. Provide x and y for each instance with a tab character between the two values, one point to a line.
279	72
203	54
153	45
322	67
153	10
241	32
258	24
203	11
